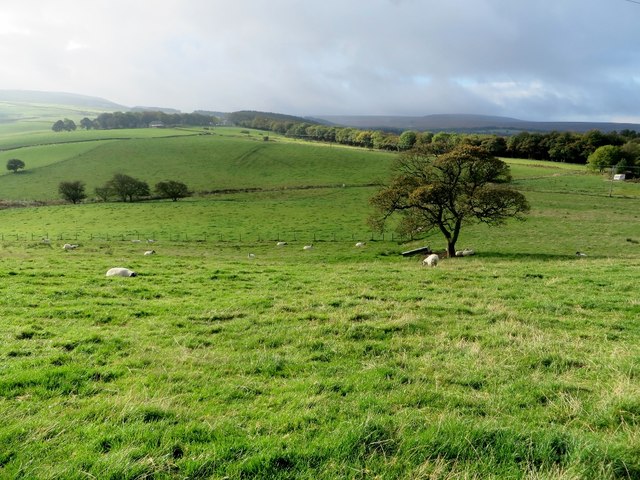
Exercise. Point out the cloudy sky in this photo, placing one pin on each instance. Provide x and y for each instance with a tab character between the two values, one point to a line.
530	59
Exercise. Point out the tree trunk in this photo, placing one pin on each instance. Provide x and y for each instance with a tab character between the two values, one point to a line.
451	249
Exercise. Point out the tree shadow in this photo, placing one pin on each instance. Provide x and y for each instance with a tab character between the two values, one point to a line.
532	257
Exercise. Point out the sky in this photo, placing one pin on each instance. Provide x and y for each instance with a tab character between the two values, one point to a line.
545	60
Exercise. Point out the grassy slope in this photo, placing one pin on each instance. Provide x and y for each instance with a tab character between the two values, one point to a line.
205	163
521	362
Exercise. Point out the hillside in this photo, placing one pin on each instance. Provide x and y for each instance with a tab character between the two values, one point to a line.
58	98
469	123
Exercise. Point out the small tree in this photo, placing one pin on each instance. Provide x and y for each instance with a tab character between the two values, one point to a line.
127	188
172	189
15	164
445	192
603	157
103	193
72	191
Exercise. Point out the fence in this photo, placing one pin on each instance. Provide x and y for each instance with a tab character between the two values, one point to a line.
213	237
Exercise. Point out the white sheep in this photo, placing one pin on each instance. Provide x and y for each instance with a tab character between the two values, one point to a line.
121	272
307	247
360	244
431	260
251	256
281	244
150	252
151	240
467	252
581	254
69	246
135	240
46	240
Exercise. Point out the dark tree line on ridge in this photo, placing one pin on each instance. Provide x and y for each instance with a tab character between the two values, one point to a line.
116	120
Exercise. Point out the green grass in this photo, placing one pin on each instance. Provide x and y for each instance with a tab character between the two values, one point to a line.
204	163
339	362
306	365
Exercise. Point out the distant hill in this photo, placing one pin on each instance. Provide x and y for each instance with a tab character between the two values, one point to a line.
244	116
465	123
59	98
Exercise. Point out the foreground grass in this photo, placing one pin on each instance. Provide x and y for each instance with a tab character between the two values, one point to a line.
330	363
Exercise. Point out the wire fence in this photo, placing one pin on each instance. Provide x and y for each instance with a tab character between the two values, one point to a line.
206	237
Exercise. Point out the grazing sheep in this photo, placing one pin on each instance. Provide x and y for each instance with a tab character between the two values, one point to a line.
281	244
360	244
69	246
150	252
307	247
431	260
121	272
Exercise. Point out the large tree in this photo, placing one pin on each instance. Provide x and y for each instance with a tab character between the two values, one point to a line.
72	191
447	191
15	164
127	188
172	189
603	157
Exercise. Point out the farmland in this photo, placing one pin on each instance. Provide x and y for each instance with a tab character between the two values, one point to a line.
519	362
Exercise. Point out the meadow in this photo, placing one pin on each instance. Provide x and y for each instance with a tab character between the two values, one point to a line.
339	362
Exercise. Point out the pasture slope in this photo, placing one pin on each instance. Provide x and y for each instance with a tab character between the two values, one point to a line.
338	362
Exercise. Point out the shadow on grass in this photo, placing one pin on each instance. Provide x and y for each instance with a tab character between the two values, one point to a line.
534	257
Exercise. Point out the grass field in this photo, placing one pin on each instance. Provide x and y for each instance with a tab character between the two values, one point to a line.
338	362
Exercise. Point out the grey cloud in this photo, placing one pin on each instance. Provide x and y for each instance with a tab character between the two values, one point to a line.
535	60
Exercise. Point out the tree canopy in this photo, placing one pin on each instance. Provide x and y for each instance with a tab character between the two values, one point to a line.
172	189
444	192
126	188
72	191
15	164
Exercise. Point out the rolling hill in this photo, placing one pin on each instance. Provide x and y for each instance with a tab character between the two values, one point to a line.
469	123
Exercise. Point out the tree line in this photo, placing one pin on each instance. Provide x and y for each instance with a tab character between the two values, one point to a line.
567	147
124	188
116	120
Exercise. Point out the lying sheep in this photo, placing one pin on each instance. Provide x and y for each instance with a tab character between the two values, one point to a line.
465	253
307	247
69	246
121	272
150	252
360	244
431	260
281	244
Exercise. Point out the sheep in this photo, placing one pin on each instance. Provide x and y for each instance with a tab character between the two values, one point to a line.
121	272
581	254
251	256
307	247
150	240
465	253
150	252
431	260
135	240
360	244
69	246
281	244
46	240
